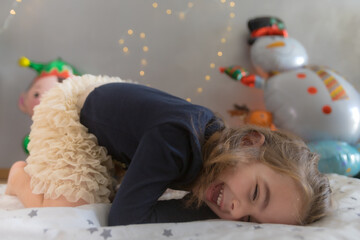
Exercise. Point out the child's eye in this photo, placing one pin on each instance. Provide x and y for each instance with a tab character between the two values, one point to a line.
36	95
255	192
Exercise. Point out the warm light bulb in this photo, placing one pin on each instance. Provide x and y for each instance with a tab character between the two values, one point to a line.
199	90
181	15
130	32
212	65
207	77
155	5
168	11
188	99
232	4
219	53
145	49
190	5
143	62
223	40
223	1
232	15
12	11
142	73
229	28
121	41
125	49
142	35
18	0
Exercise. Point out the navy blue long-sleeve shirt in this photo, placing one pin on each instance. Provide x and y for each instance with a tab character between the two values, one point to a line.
159	137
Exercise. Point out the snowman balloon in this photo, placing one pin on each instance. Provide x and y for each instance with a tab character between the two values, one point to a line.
314	102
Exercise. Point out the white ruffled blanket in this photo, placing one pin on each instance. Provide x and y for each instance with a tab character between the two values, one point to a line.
89	222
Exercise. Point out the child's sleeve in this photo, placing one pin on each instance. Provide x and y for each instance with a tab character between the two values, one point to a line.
163	157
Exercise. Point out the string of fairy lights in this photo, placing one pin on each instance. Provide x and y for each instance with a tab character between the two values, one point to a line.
125	48
181	15
161	8
11	14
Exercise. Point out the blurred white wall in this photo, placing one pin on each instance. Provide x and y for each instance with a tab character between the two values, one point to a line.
181	47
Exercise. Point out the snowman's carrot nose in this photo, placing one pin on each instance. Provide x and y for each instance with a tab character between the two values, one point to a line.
276	44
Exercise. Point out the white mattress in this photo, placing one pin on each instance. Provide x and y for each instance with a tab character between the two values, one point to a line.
89	222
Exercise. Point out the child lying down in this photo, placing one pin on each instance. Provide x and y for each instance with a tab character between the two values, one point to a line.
247	174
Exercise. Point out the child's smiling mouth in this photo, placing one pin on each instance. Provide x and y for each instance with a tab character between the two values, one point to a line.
215	194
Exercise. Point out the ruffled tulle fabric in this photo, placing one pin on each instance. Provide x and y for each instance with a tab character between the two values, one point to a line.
66	160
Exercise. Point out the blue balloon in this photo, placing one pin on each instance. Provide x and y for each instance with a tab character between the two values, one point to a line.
337	157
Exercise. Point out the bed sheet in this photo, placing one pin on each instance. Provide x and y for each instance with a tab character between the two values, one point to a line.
89	222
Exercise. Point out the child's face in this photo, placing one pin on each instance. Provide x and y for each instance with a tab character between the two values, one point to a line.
255	193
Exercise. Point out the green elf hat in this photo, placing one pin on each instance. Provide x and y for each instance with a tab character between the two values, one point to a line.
57	68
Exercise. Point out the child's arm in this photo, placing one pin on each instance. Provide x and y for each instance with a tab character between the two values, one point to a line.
174	211
163	157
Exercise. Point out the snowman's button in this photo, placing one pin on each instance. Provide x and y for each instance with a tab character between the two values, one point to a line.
301	75
326	109
312	90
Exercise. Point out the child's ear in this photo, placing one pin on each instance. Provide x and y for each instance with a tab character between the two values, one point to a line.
253	138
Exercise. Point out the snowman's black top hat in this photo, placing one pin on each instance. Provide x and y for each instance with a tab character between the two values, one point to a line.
266	26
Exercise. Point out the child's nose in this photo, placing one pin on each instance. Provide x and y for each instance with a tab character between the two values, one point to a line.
234	204
239	209
236	208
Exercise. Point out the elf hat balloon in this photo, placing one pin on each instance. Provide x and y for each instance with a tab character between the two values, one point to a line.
57	67
49	75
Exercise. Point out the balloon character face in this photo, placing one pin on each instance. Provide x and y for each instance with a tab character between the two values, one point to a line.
49	74
29	99
271	54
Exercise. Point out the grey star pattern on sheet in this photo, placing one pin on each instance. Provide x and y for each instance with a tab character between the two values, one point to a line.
90	222
257	227
91	230
239	225
167	233
33	213
106	233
